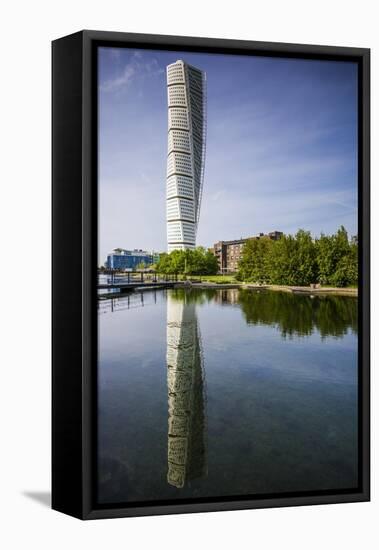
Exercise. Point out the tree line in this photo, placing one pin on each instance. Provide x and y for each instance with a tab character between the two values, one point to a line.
197	261
292	260
301	260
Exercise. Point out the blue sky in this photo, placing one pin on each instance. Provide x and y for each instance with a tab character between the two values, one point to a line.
281	147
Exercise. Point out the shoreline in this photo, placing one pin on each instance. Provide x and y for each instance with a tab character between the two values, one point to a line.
322	291
276	288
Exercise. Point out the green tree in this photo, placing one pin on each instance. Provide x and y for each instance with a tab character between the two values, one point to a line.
300	260
282	261
254	264
211	263
325	258
305	268
164	263
198	261
337	259
346	271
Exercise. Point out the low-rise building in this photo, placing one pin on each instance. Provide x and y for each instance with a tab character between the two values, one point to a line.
229	253
121	259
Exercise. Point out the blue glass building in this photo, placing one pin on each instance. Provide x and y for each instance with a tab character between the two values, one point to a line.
121	259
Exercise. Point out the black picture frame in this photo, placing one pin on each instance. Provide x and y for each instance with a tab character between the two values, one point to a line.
74	332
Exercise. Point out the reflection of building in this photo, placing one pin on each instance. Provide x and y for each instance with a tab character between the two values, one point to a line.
128	259
186	421
186	153
228	297
228	253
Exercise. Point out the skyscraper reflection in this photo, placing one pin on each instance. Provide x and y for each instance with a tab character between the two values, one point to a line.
186	395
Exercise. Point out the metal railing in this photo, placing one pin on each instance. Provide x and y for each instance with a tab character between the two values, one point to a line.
113	276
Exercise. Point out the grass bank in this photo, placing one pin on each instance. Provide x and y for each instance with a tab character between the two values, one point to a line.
216	279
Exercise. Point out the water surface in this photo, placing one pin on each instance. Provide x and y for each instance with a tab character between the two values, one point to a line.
207	393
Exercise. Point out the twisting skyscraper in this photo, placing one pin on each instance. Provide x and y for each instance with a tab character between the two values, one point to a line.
186	153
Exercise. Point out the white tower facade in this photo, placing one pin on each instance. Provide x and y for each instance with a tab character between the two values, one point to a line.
186	91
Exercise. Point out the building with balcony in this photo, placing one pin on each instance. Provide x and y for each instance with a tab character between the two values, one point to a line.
229	253
186	93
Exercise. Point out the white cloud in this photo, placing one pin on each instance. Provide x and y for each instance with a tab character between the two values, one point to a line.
132	70
120	81
261	210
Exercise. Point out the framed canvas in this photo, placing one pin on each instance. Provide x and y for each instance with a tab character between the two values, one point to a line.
210	275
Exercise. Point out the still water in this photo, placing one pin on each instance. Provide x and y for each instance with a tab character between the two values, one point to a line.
207	393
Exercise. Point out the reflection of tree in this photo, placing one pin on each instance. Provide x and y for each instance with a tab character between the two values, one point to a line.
186	423
193	295
300	315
